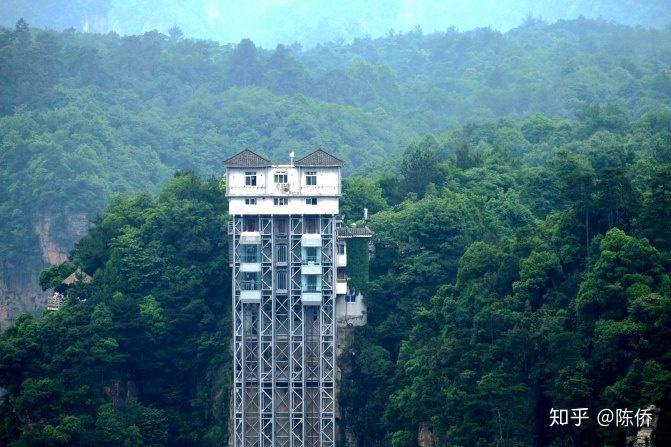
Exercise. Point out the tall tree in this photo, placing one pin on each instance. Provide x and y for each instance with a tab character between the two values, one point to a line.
244	65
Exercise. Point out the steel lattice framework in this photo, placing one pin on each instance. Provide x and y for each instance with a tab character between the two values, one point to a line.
284	354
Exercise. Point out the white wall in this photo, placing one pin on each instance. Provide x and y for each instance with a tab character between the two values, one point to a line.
326	191
350	313
328	182
297	205
235	182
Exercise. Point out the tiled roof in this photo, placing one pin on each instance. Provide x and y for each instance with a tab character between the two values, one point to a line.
361	232
247	159
347	232
77	276
319	158
343	232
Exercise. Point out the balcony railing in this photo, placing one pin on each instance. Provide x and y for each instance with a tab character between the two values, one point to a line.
283	190
250	258
249	285
311	240
311	260
250	237
341	287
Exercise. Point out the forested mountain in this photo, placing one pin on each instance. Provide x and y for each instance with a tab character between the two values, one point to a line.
518	183
518	267
84	116
143	359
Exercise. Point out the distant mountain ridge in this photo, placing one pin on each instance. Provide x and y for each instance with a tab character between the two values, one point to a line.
311	23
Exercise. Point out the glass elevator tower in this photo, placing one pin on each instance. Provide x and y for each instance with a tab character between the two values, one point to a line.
283	239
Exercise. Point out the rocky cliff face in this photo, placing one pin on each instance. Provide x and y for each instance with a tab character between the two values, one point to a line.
19	289
52	252
425	437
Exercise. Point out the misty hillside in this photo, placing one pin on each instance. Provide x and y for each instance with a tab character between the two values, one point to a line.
321	21
518	184
84	116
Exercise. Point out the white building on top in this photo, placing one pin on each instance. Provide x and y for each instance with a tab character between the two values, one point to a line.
310	185
286	270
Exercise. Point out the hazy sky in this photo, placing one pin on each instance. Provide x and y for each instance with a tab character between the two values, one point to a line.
269	22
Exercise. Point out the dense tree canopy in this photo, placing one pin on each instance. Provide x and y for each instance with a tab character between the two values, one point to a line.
530	280
526	281
519	186
139	357
74	105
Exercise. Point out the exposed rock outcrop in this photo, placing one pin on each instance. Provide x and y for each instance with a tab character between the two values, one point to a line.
19	289
425	437
644	436
52	252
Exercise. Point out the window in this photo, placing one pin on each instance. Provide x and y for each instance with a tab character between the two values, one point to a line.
250	178
350	298
281	226
341	248
311	178
281	279
250	224
311	282
250	201
311	201
249	253
249	281
311	226
310	255
281	201
281	178
281	254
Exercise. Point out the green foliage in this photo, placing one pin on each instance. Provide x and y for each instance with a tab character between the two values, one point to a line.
498	290
72	105
53	276
418	166
359	193
519	266
357	263
517	284
129	360
403	438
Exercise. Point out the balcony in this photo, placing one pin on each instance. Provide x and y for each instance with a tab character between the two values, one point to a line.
341	260
250	258
341	287
250	288
245	190
311	265
311	290
311	240
250	267
311	298
320	190
250	237
250	296
311	283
